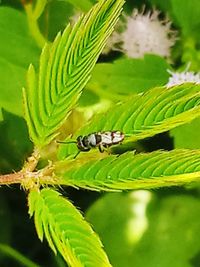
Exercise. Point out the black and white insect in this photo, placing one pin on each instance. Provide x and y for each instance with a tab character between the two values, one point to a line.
101	140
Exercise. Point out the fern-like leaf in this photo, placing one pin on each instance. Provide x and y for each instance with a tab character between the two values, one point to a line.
129	171
65	68
66	230
153	112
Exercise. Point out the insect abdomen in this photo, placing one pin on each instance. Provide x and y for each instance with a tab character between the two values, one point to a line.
111	138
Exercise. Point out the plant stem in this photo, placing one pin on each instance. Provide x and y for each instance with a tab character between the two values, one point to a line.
18	177
12	178
12	253
33	25
32	161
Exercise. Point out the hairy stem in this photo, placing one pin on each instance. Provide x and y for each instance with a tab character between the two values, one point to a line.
12	178
18	177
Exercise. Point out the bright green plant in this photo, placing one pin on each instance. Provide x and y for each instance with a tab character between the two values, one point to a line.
52	92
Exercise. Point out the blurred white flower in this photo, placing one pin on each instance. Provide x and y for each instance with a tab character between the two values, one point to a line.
183	77
145	33
74	18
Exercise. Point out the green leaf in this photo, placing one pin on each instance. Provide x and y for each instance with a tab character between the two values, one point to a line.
11	88
187	136
129	171
65	68
183	10
83	5
151	231
65	229
55	18
153	112
14	142
161	5
88	98
14	30
14	58
128	76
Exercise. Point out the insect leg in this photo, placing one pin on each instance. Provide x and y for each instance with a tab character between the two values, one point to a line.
101	148
77	154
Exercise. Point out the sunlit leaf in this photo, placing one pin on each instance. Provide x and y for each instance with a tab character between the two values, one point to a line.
144	115
65	68
129	171
65	230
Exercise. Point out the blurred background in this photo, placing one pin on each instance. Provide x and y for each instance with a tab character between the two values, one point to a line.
153	43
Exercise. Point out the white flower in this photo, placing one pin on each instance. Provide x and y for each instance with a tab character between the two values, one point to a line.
183	77
145	33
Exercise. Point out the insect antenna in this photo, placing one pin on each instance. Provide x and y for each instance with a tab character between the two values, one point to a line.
77	154
69	142
66	142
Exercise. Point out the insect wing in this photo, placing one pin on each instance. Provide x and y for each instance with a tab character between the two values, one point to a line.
106	138
118	137
111	138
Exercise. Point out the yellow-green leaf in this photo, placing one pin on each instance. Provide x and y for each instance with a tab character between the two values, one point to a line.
65	68
66	230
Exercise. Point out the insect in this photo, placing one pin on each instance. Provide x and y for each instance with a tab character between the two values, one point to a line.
99	139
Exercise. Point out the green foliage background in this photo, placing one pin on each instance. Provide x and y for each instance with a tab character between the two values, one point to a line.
166	232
